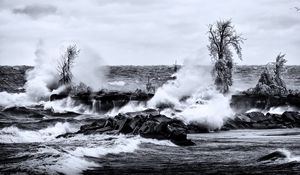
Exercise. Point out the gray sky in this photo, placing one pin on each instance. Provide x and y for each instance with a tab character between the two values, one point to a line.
147	31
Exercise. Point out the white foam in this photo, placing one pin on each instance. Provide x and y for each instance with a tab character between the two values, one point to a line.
15	99
69	156
117	83
281	109
289	156
13	134
274	110
204	104
67	105
130	107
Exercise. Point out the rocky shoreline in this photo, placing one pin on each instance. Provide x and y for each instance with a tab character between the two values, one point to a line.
243	102
258	120
147	124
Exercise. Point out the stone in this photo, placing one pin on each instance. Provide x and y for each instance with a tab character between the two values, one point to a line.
149	126
273	156
256	116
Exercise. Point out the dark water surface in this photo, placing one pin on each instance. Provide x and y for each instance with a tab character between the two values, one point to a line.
28	144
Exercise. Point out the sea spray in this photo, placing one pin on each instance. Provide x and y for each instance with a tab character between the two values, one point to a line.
13	134
89	68
275	110
191	97
39	81
44	77
194	95
67	105
43	80
130	107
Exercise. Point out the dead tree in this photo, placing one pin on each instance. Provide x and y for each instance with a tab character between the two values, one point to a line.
223	38
270	81
279	66
66	64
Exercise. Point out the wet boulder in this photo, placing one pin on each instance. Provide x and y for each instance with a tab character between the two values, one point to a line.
197	128
256	117
245	101
54	97
123	126
273	156
149	126
291	116
104	101
257	120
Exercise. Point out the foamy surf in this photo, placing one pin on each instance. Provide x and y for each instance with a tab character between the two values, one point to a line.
280	156
13	134
70	156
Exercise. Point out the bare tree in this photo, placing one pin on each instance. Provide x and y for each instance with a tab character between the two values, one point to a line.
270	81
279	66
66	63
223	38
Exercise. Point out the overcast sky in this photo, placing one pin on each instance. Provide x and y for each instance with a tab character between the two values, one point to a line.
147	32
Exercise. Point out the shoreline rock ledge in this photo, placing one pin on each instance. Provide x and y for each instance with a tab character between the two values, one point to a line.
258	120
148	124
243	102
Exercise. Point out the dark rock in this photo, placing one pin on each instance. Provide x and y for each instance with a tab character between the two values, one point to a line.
136	123
256	116
291	116
244	102
161	118
58	96
95	125
197	128
162	106
123	126
257	120
149	126
273	156
66	135
104	101
144	112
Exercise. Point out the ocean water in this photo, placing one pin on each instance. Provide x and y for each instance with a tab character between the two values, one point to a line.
130	78
28	143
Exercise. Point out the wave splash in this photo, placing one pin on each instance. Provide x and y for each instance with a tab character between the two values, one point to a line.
13	134
71	155
191	97
43	79
280	156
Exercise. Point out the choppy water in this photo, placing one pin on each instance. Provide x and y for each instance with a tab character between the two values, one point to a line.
28	144
129	78
230	152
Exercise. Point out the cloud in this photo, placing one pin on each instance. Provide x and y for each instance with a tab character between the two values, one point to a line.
147	32
36	10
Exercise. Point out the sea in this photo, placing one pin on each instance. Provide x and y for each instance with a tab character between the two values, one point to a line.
28	143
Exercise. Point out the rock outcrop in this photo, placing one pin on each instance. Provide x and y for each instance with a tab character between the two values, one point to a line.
257	120
244	102
273	156
104	101
146	125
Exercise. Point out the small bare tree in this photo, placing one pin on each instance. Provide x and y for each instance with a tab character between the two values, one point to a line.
223	37
66	63
279	66
270	81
